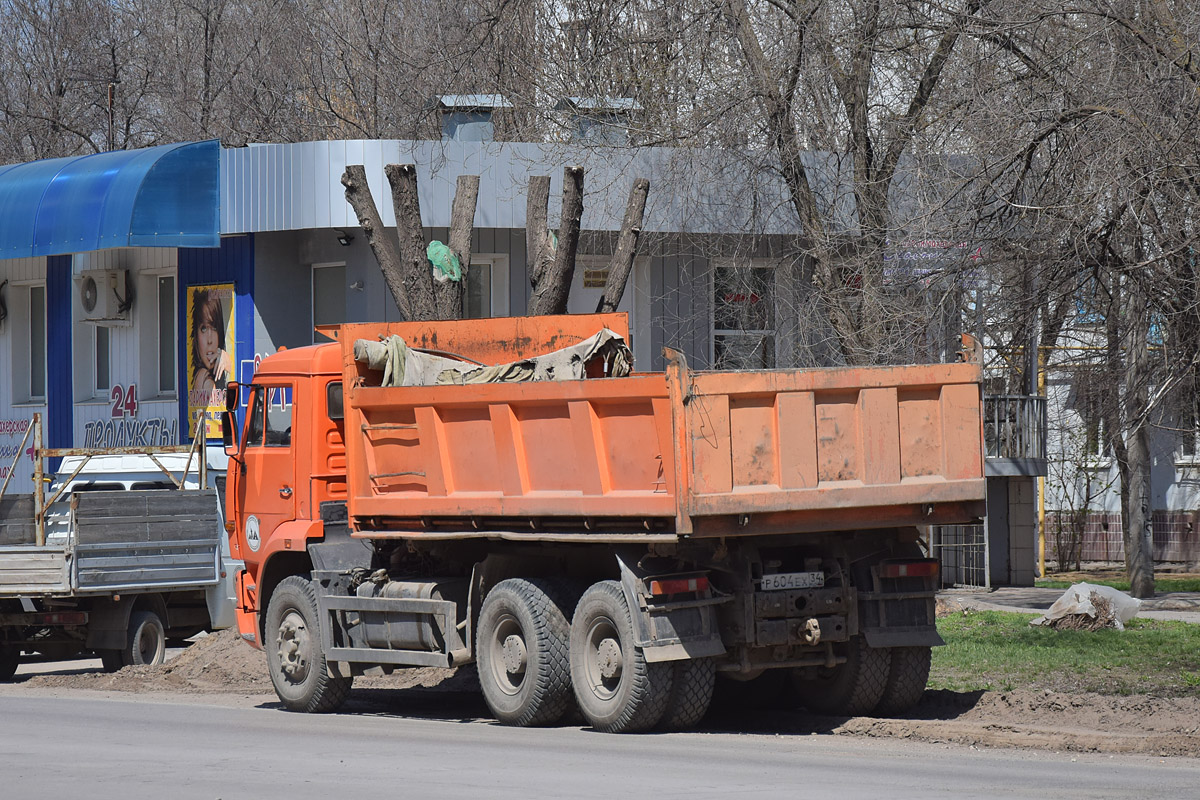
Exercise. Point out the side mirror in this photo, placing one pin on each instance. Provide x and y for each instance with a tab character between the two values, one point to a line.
229	433
231	396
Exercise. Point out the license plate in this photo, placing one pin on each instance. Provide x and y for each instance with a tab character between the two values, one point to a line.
793	580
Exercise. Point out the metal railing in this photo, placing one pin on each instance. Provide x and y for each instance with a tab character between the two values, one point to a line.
1014	435
1014	426
962	552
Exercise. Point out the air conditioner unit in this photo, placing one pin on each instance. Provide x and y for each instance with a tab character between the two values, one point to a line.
105	298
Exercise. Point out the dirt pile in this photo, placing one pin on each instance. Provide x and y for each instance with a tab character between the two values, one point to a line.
222	663
217	663
1046	720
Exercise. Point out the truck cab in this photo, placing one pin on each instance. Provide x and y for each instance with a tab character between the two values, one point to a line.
277	479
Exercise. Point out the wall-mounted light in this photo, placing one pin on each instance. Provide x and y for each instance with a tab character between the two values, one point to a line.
357	285
344	239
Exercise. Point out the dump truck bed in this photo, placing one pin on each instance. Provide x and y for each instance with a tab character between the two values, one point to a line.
672	454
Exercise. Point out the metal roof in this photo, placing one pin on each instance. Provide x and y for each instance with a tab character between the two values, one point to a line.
166	196
471	102
598	104
278	187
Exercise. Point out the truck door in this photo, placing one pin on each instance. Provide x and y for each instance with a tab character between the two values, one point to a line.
267	481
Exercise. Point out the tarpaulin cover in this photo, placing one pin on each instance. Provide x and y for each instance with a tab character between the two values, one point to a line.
166	196
407	366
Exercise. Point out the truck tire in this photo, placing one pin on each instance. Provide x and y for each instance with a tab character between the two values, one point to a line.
10	659
147	642
851	689
521	644
617	689
907	676
692	683
295	654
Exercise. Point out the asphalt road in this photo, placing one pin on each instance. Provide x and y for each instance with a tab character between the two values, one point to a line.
74	745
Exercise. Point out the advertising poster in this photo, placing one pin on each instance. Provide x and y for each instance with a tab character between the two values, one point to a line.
209	361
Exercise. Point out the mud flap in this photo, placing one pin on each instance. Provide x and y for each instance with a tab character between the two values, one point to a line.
671	631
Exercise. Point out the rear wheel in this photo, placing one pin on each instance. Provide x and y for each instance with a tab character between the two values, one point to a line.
521	645
617	689
147	642
10	659
692	685
907	676
295	654
852	688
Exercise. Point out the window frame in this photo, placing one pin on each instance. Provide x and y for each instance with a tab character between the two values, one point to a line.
31	397
98	391
715	332
312	298
498	265
171	347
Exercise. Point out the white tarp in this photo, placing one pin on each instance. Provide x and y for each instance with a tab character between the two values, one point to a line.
406	366
1082	599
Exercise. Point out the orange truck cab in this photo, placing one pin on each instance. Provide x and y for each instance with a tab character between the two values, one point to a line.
588	535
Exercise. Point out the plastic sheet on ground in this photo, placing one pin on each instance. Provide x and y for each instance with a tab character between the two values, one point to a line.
1087	606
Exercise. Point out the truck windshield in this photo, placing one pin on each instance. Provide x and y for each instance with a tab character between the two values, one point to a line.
270	421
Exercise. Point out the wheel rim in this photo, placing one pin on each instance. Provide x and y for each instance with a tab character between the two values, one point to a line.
508	655
147	645
604	660
293	644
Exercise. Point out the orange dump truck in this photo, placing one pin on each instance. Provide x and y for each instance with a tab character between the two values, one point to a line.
589	536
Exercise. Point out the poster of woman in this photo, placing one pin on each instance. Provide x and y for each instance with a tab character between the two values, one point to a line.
209	363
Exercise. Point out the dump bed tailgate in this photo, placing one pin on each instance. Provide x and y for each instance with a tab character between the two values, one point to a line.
827	449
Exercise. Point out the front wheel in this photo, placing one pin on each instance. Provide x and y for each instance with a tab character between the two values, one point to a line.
618	690
295	654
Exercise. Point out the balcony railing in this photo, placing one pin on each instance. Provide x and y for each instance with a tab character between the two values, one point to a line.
1014	434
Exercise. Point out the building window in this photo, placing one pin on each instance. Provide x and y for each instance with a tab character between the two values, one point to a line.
487	287
1087	400
37	343
743	315
102	361
1189	421
167	301
328	297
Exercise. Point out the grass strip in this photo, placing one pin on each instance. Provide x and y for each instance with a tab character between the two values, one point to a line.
998	650
1161	585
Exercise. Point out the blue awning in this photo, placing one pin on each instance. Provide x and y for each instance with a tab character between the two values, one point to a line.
166	196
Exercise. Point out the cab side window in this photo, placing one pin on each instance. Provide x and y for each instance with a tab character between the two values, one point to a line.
254	427
279	418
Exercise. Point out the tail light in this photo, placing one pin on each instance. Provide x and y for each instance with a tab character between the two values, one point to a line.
678	585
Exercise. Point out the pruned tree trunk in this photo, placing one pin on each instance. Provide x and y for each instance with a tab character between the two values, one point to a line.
450	294
539	247
1125	417
358	195
552	289
626	251
418	278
